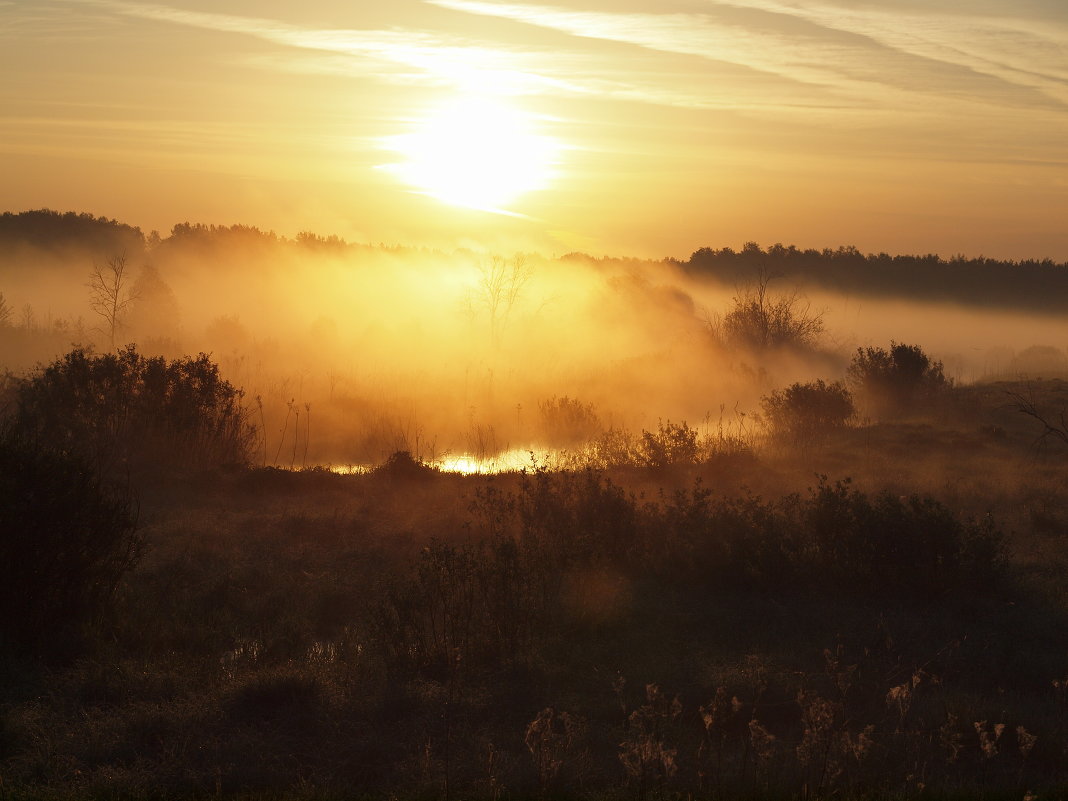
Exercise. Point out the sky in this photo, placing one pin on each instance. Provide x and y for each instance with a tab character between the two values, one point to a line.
637	127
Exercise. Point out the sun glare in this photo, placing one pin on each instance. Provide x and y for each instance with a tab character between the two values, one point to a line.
477	153
504	462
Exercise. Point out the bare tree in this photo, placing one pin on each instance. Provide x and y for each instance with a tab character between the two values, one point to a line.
1055	429
499	288
760	320
5	311
111	294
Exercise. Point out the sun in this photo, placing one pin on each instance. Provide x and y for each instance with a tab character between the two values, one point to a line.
475	152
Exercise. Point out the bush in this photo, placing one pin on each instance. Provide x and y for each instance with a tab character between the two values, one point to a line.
126	413
615	447
837	539
402	466
805	413
896	381
760	321
568	422
583	519
671	444
65	541
901	546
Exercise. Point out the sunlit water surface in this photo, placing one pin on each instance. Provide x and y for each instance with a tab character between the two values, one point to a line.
510	461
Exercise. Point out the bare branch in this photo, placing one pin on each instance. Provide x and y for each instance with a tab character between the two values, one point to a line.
1051	429
111	294
760	320
500	286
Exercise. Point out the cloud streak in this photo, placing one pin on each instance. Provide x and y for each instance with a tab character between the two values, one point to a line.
1017	49
841	51
435	57
415	56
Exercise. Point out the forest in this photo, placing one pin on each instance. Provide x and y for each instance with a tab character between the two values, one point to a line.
298	518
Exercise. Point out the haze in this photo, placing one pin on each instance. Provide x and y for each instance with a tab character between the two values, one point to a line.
456	353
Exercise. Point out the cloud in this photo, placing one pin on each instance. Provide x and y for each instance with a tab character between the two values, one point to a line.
1021	50
436	57
684	34
844	51
745	54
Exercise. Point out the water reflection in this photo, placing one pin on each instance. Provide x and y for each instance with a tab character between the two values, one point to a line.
510	461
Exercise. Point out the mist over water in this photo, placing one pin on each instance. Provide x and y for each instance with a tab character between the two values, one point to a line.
348	354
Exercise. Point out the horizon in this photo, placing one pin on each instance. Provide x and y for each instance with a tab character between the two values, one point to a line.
735	247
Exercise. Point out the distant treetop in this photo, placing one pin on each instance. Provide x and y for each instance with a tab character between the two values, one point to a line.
1030	284
49	229
1039	285
247	233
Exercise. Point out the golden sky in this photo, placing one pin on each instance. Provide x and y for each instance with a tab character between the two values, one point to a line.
634	127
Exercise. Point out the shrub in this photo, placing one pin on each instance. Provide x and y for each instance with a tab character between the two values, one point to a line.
65	541
579	519
402	466
128	413
615	447
759	320
804	413
465	605
899	546
568	422
897	380
670	444
836	539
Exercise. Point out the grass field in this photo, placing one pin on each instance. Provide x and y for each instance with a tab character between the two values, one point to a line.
753	626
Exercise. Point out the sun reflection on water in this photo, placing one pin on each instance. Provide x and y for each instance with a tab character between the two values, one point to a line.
510	461
504	462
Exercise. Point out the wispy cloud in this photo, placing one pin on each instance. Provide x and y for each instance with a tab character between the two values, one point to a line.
743	54
44	21
1018	49
434	56
844	51
684	34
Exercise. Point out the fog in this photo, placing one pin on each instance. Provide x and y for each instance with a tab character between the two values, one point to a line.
350	353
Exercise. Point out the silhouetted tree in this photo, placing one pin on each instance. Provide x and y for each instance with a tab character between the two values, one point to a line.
111	293
1033	284
760	320
500	285
1054	425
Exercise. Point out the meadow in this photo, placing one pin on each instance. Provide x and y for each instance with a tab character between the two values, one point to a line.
845	586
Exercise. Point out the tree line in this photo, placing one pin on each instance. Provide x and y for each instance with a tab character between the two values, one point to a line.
1039	285
1033	284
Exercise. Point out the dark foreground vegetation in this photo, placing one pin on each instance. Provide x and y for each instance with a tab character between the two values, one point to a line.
690	620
